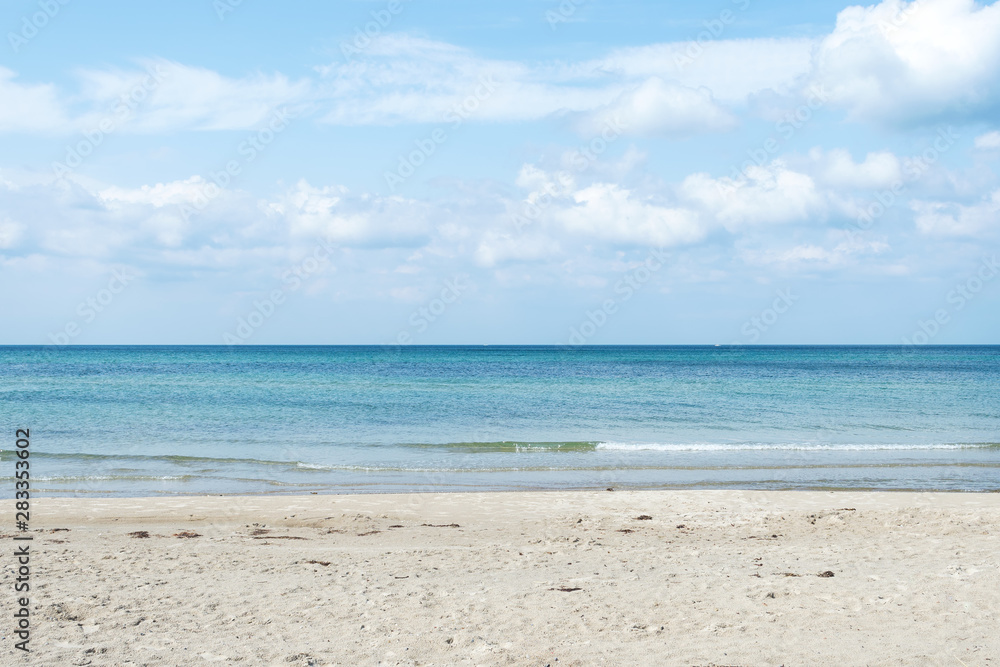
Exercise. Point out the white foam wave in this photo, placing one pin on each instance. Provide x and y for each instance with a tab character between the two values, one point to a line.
764	446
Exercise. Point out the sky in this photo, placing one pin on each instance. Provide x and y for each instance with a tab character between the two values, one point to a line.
523	172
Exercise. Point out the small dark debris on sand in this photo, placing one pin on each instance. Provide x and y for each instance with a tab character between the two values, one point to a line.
318	562
644	517
625	530
280	537
566	589
406	577
370	532
139	534
609	489
397	526
59	530
259	531
825	575
847	509
441	525
186	533
681	525
791	574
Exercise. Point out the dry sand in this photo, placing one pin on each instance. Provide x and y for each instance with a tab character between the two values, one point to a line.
560	578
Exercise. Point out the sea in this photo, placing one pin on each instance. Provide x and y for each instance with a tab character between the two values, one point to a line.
182	420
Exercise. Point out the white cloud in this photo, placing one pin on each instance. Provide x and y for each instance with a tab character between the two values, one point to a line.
28	107
184	220
609	212
168	95
815	256
182	212
918	61
568	213
660	108
186	191
368	220
405	79
578	220
161	97
894	61
731	69
890	62
988	141
879	170
401	78
771	194
951	219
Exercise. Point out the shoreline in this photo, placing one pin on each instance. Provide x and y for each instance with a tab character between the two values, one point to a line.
48	495
693	577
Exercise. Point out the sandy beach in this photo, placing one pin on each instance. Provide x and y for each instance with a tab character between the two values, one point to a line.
547	578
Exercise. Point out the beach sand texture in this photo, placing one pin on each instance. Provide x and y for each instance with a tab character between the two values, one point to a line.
546	578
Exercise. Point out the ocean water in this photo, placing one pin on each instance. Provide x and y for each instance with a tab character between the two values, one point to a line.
223	420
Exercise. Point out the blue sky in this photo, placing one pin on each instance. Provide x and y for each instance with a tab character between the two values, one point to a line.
436	172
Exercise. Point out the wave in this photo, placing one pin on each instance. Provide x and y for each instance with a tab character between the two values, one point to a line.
597	446
506	446
511	446
806	447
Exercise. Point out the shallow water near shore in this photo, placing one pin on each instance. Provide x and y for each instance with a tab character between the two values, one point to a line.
195	420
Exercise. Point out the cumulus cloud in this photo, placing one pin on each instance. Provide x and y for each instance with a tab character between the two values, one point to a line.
579	216
953	219
332	213
560	208
609	212
770	194
913	61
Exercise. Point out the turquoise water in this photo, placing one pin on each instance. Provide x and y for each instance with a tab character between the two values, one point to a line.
181	420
